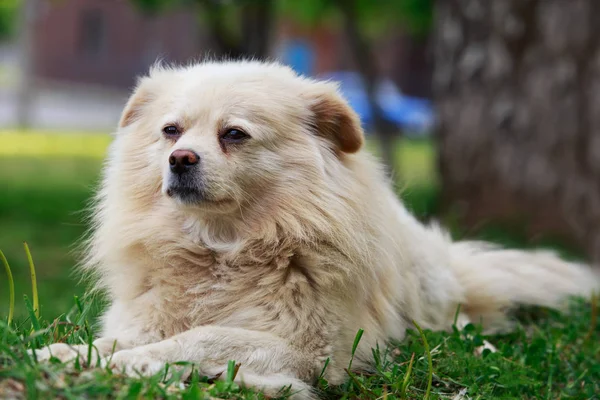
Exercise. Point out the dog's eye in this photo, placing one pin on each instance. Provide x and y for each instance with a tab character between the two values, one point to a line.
171	131
234	135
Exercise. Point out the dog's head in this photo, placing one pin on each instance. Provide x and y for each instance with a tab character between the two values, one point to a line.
224	136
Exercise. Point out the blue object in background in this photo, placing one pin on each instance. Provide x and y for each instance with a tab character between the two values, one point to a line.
413	115
299	55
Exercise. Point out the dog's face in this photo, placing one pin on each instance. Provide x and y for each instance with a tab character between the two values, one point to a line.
224	135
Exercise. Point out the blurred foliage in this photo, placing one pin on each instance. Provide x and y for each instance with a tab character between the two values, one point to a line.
8	16
376	17
153	6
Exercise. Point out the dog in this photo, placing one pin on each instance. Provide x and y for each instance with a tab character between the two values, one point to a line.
239	218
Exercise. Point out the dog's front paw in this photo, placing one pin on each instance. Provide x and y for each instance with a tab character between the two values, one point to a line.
61	351
486	345
134	363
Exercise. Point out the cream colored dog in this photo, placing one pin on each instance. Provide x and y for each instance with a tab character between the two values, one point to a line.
239	219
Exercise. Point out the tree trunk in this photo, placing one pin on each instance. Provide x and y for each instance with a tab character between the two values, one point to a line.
255	20
385	131
517	85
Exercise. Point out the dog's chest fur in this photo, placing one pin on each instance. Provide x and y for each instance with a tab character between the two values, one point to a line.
260	288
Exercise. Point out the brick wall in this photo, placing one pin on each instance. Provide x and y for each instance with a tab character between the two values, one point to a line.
108	41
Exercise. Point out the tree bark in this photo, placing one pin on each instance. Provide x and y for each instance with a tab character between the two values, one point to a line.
385	131
517	85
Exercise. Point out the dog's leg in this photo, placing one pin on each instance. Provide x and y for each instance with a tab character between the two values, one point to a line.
119	332
102	347
268	362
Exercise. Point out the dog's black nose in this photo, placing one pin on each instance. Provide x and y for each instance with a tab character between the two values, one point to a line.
182	161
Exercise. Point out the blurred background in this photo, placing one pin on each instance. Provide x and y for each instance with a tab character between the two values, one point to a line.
487	113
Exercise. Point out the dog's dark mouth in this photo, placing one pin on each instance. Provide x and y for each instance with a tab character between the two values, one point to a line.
186	194
192	196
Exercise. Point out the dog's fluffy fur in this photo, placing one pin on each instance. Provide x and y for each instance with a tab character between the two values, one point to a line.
294	241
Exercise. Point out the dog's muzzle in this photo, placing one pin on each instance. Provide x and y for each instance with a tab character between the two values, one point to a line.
183	181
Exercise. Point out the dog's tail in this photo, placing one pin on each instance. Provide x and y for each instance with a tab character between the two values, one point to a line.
495	279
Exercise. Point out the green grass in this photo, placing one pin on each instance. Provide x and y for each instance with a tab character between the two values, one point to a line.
44	188
47	179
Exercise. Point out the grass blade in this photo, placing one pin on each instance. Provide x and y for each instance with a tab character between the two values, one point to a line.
355	346
232	370
429	361
366	392
11	288
456	314
36	303
90	344
407	375
324	368
35	322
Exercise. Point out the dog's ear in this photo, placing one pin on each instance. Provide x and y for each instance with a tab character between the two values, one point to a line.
333	118
137	101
